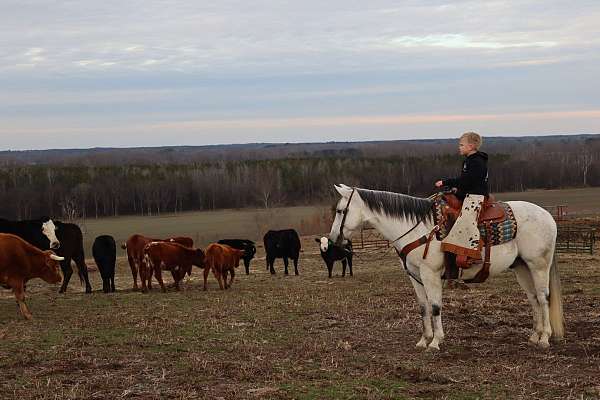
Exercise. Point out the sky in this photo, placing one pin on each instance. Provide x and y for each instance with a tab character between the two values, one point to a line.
79	73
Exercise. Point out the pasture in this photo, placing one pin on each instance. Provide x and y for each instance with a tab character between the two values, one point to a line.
288	337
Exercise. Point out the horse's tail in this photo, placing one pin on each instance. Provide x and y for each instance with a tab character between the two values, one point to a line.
557	319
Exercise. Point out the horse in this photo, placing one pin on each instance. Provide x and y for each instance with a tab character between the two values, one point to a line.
402	219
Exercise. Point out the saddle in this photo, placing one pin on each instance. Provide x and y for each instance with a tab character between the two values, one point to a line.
491	209
492	215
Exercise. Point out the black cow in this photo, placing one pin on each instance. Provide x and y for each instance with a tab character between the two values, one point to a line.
39	232
242	244
332	253
104	251
282	244
71	248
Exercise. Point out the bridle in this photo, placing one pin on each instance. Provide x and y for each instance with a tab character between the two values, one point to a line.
403	253
344	215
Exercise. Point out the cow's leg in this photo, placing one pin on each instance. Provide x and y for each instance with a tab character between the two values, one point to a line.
270	263
149	269
207	269
134	271
83	270
143	279
19	291
329	267
67	271
158	276
350	265
224	277
232	271
247	266
105	284
112	282
218	275
285	263
295	265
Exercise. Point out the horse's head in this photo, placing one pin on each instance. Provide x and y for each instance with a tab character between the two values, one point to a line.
348	214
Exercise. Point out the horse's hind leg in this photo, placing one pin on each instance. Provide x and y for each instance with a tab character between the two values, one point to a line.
425	311
526	281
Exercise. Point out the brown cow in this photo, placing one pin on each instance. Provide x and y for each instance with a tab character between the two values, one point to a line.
172	257
135	252
221	259
20	262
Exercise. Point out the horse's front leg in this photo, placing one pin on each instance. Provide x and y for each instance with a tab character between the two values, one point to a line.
432	282
424	308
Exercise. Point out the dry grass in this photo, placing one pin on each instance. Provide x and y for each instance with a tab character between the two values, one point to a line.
288	337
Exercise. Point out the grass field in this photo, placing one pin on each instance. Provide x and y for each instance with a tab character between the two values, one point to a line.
207	226
297	337
288	337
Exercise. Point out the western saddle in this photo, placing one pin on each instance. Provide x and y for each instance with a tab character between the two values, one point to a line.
491	212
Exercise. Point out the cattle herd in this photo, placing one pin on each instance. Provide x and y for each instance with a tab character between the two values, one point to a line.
45	249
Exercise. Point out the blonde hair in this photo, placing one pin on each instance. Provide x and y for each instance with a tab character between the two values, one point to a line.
473	138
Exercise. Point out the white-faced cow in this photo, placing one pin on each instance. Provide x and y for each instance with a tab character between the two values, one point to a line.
20	262
332	253
39	232
46	234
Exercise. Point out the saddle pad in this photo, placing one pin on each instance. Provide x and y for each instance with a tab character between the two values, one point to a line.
501	232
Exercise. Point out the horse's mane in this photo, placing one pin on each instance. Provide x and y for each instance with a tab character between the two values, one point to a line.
397	205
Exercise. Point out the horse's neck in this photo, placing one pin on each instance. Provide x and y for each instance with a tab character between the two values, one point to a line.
394	228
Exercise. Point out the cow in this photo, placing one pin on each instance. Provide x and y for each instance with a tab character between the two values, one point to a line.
169	256
282	244
21	261
242	244
39	232
46	234
221	259
135	251
104	251
332	253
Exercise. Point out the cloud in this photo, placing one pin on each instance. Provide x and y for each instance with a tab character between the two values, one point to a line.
291	65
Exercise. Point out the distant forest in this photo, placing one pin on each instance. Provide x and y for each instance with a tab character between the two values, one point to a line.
94	183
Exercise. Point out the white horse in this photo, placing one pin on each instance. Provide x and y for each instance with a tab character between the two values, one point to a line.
402	219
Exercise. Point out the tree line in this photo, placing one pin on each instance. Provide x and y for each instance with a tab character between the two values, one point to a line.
91	191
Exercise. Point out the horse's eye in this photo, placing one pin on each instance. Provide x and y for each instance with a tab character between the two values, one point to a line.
339	211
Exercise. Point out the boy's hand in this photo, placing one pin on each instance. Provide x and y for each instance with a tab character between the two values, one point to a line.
439	184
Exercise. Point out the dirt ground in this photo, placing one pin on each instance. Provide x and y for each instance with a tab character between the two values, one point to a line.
297	337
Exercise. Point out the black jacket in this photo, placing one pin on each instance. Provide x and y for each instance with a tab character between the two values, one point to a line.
473	178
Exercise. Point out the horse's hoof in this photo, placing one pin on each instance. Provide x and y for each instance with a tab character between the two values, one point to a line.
421	344
534	339
544	345
433	348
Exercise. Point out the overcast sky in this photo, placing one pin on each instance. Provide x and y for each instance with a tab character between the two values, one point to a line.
137	73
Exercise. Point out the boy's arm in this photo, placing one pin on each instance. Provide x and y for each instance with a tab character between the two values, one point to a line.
474	173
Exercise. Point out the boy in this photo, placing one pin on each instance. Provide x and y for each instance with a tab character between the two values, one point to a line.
471	187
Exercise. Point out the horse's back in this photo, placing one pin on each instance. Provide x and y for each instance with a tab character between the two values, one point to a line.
536	228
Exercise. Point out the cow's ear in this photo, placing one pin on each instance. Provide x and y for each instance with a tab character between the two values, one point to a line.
317	240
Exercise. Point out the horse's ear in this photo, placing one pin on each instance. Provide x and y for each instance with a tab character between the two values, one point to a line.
342	191
345	186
